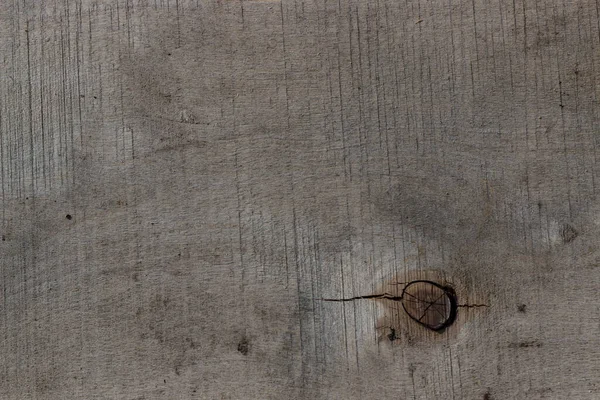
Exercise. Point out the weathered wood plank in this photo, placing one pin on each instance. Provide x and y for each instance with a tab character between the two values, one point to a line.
184	182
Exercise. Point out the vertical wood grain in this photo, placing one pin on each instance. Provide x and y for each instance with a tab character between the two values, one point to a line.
226	165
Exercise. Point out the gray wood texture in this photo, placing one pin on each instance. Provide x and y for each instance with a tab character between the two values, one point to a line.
184	182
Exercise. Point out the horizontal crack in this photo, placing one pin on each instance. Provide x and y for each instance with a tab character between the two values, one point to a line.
472	305
396	298
372	296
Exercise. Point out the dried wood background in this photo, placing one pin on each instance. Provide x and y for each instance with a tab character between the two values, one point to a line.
184	182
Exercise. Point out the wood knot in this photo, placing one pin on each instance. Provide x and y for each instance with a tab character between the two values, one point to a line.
430	304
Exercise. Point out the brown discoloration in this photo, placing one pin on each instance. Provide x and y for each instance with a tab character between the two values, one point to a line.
395	320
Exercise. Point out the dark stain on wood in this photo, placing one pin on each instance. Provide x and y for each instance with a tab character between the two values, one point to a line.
392	334
243	346
568	233
525	344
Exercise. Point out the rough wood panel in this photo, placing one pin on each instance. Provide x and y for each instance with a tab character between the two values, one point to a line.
183	182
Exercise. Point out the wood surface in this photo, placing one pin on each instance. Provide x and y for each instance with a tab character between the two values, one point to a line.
185	184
